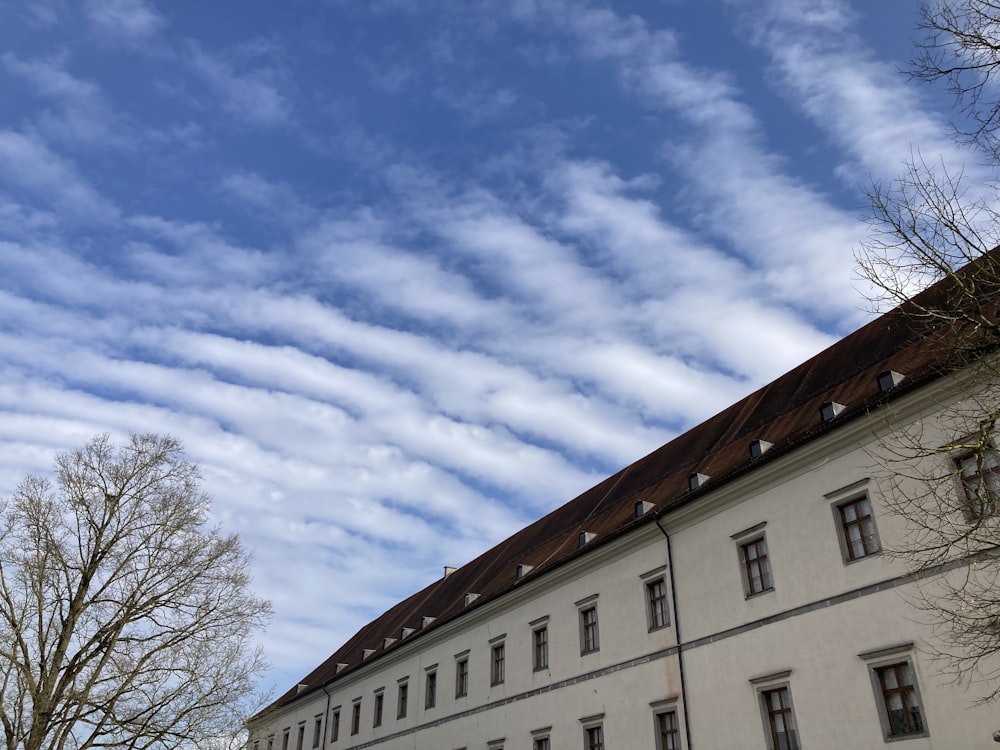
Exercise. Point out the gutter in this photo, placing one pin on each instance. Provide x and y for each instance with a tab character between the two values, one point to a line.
677	632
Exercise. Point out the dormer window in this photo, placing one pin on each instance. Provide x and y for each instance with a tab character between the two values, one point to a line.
759	447
643	507
888	380
830	410
586	537
696	480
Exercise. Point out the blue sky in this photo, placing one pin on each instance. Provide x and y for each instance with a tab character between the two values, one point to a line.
405	275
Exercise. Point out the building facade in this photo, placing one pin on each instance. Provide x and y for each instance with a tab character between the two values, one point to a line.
730	590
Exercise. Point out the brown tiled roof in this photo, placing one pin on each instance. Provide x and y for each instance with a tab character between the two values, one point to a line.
786	413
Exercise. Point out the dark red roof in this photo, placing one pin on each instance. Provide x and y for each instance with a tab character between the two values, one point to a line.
785	413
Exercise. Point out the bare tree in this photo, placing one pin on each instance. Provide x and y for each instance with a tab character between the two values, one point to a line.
961	47
124	620
941	473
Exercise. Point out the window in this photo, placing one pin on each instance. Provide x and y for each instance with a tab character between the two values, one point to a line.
317	731
284	740
301	737
541	743
657	613
401	698
356	717
377	714
781	730
756	567
335	725
900	708
668	735
270	742
857	529
430	690
589	637
462	677
540	638
497	658
979	472
594	737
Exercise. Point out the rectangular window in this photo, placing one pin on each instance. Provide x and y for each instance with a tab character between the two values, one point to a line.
356	718
979	472
782	732
462	678
589	637
377	714
656	604
284	740
497	664
270	743
541	743
540	637
668	735
857	529
317	732
301	737
595	738
401	698
335	726
430	690
900	700
756	567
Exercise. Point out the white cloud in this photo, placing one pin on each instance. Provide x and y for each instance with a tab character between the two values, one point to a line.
27	162
84	114
123	20
248	90
824	69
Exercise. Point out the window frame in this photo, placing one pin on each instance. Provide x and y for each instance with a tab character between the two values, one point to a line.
355	716
317	731
776	683
462	675
300	736
540	648
785	711
663	734
402	698
986	473
335	724
870	542
379	709
498	663
589	623
657	606
430	688
541	738
761	562
593	737
877	662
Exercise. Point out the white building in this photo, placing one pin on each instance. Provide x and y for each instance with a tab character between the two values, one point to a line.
728	590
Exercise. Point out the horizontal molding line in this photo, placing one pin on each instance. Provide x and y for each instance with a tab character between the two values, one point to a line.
722	635
586	676
830	601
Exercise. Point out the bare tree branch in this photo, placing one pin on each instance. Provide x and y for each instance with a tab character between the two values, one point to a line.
124	620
